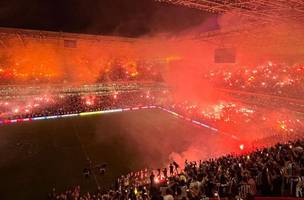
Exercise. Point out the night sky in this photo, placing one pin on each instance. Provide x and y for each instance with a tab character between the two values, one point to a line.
131	18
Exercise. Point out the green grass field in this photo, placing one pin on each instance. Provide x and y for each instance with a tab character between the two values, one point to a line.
37	156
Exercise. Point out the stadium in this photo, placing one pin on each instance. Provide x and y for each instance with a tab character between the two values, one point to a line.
179	100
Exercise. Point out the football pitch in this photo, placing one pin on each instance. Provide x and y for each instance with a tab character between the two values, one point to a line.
37	156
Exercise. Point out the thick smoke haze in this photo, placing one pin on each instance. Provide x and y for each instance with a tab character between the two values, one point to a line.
184	59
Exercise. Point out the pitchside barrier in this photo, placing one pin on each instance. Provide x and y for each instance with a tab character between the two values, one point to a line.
197	123
11	121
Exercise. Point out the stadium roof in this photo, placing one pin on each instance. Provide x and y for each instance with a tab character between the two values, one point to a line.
262	10
283	19
4	32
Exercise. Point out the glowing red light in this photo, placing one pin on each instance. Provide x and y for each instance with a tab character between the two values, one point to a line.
242	147
88	102
156	180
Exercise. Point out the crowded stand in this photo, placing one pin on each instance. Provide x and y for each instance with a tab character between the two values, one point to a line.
114	70
273	171
228	116
268	101
240	119
269	78
51	105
